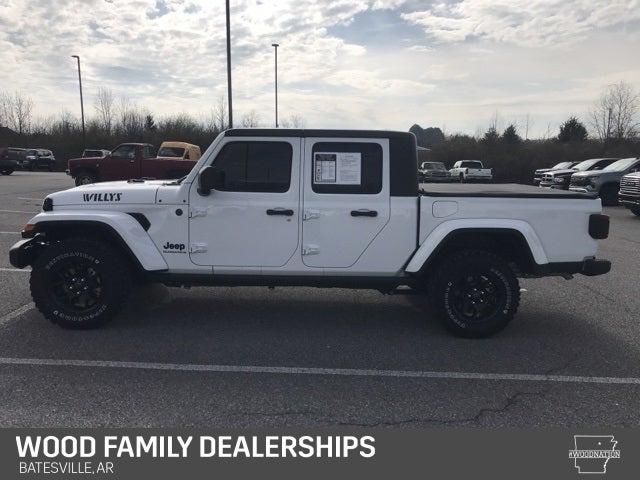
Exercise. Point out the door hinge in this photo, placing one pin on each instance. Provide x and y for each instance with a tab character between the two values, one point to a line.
310	250
309	214
198	248
197	212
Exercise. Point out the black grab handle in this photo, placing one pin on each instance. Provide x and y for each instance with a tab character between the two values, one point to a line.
280	211
364	213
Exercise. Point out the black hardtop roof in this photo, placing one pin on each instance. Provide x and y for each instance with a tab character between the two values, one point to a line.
303	132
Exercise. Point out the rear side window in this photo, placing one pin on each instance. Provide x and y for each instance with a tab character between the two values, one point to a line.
147	152
346	168
256	166
471	164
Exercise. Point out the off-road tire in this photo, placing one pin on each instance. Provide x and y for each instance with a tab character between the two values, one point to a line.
111	271
609	195
494	274
85	178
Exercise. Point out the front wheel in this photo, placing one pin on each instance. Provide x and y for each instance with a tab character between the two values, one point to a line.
609	195
85	178
80	283
636	211
475	293
7	171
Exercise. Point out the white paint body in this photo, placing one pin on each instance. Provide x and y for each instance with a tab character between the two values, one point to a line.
469	173
229	232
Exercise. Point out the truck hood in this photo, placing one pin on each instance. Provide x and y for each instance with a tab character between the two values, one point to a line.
632	175
590	173
138	192
562	173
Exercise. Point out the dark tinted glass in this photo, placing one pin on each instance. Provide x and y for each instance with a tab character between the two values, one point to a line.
370	169
255	166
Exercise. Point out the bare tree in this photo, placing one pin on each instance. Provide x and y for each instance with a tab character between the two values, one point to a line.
17	111
528	124
251	119
293	121
615	113
104	105
219	114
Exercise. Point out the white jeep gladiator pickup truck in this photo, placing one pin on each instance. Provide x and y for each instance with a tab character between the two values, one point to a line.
471	171
322	208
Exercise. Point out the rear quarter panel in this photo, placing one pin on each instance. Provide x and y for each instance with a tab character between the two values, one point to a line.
558	226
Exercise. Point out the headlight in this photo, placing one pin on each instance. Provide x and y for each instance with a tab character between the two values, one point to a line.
560	179
593	180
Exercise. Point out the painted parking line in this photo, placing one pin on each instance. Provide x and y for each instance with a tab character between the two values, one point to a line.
16	313
15	270
10	233
346	372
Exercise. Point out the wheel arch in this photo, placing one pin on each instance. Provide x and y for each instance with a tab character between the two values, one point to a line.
516	242
122	230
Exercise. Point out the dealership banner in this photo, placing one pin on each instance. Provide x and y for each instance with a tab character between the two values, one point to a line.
320	453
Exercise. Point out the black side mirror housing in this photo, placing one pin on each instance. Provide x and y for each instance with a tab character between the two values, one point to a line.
210	178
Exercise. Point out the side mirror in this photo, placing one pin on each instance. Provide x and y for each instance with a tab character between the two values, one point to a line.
210	178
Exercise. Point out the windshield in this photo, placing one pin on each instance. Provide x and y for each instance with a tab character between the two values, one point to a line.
433	166
586	165
621	165
175	152
562	166
32	152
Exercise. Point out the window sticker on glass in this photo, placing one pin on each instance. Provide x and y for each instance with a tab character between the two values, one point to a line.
339	168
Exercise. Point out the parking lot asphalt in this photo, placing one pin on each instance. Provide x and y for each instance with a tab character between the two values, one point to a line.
252	357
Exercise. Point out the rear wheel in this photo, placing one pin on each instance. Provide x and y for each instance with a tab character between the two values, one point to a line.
7	171
85	178
609	195
636	211
475	293
80	283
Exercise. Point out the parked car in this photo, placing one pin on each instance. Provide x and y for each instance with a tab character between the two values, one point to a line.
629	194
322	208
128	161
38	158
8	162
433	172
606	182
471	171
14	154
95	153
537	175
176	150
559	179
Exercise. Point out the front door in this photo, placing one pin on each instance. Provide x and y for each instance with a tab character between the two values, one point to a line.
253	220
346	199
122	164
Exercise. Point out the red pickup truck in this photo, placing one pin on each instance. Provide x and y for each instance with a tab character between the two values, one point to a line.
132	160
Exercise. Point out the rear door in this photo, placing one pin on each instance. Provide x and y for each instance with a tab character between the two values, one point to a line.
345	199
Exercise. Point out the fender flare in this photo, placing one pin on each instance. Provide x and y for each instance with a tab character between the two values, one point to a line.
133	237
435	238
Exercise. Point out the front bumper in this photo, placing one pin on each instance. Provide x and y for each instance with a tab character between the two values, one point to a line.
24	252
630	201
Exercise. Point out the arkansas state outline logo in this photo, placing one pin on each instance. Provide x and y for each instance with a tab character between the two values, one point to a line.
591	453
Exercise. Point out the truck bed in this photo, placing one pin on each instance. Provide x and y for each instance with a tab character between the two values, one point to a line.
496	190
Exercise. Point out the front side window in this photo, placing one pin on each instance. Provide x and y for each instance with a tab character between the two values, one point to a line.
124	151
255	166
346	168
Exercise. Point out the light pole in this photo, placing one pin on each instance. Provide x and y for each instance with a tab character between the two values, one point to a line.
84	136
275	47
229	67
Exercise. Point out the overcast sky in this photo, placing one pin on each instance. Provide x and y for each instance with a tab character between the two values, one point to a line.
342	63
